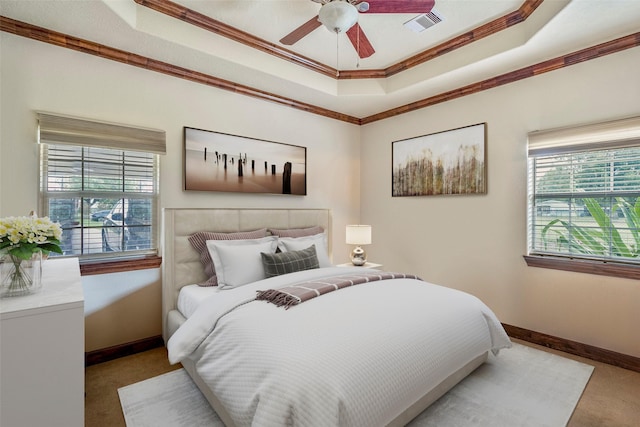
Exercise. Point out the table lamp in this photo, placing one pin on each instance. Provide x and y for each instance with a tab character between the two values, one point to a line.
358	235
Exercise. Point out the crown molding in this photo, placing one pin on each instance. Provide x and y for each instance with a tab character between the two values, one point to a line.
593	52
200	20
92	48
85	46
205	22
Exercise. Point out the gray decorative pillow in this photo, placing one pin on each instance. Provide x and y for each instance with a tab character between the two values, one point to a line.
289	262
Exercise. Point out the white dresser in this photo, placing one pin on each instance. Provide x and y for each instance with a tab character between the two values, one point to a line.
42	351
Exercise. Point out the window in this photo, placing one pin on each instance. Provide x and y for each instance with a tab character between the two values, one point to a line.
104	196
584	192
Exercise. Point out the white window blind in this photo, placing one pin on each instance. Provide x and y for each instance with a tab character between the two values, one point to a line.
584	191
105	197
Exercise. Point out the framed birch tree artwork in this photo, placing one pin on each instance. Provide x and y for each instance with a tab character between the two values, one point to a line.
449	162
215	161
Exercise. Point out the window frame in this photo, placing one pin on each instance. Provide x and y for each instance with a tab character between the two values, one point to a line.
615	134
124	141
45	196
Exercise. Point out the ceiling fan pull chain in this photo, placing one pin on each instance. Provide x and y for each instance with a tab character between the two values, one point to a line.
337	56
357	47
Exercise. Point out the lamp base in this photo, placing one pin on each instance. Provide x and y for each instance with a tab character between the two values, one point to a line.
358	256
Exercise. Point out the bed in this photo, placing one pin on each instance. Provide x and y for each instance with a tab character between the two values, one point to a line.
376	353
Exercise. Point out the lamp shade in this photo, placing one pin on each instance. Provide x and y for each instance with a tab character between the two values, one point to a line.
338	16
358	234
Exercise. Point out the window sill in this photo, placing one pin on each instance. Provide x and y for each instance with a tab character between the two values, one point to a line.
612	269
105	267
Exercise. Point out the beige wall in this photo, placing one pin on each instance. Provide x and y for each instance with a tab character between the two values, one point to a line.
476	243
473	243
35	76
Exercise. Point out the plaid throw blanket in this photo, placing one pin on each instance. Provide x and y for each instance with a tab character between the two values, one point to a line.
297	294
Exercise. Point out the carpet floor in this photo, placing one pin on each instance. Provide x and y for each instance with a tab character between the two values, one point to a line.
523	387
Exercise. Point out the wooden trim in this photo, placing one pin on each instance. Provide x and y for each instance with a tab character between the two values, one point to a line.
63	40
122	350
207	23
488	29
104	267
41	34
603	49
602	268
361	74
192	17
573	347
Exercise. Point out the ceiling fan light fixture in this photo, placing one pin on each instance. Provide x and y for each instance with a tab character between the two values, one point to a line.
338	16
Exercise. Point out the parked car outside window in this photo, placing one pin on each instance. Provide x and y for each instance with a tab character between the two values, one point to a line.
127	227
99	215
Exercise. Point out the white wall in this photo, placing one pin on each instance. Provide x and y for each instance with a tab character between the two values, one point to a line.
476	243
37	76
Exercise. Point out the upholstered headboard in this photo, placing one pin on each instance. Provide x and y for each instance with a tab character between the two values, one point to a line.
181	263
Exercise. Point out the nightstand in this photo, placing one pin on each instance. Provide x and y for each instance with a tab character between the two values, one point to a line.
366	265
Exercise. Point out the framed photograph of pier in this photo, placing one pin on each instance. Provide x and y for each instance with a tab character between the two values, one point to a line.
449	162
215	161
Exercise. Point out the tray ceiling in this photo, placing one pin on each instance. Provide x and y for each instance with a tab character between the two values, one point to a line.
306	71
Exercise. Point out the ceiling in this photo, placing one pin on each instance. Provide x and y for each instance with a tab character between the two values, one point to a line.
307	70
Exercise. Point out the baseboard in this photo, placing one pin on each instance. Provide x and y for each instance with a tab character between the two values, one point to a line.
121	350
584	350
573	347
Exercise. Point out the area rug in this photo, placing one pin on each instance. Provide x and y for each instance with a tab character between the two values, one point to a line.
522	387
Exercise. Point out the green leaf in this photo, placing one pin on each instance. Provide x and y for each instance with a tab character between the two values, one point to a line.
50	247
545	231
632	219
575	239
619	248
24	251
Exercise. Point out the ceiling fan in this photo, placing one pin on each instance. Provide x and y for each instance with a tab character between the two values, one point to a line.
342	16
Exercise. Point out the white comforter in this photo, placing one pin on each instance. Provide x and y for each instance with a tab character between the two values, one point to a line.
359	356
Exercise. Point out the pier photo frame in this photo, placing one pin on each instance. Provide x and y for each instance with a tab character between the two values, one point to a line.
215	161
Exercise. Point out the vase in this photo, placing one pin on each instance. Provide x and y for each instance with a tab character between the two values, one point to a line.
20	276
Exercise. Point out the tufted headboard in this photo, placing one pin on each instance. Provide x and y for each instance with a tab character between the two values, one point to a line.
181	263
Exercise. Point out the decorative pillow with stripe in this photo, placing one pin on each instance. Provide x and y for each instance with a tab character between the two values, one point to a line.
289	262
296	232
199	242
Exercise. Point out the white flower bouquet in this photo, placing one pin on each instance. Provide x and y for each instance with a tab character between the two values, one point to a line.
23	241
25	235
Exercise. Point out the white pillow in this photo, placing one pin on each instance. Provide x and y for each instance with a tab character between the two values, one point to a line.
238	262
299	243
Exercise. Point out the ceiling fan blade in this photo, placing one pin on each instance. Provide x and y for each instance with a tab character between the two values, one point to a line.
400	6
360	42
301	31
